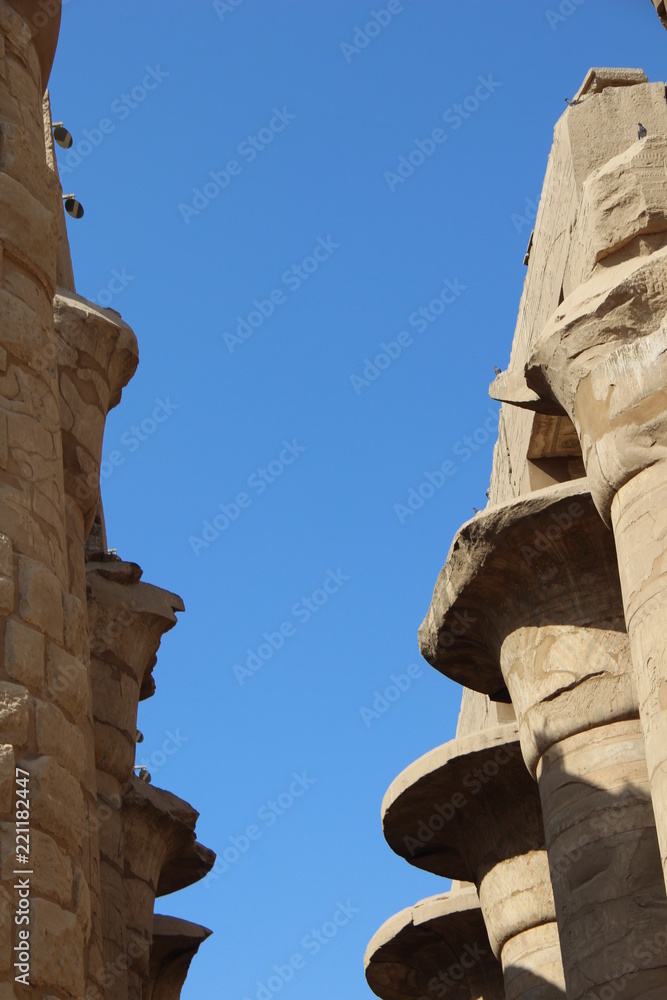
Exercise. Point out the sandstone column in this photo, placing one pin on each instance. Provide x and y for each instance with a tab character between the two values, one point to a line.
38	628
437	948
603	358
470	811
175	943
144	832
97	356
536	581
161	856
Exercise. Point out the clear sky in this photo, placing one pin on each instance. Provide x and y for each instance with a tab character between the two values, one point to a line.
267	204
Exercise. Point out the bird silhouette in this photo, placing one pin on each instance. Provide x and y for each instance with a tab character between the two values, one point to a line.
497	370
641	131
570	103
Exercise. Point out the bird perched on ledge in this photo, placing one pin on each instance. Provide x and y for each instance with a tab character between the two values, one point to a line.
641	131
497	370
570	103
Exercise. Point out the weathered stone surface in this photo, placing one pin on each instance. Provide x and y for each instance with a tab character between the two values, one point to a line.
57	804
622	200
98	355
82	906
52	868
6	923
63	364
439	947
174	944
59	738
24	654
40	599
76	626
453	812
68	685
7	779
42	26
545	583
56	949
14	713
603	357
7	595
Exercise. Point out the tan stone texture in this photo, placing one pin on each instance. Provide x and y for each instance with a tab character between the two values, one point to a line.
74	663
439	947
175	943
7	779
24	654
56	949
453	813
40	600
552	603
14	713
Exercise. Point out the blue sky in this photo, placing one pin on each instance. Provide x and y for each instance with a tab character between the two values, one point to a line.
321	256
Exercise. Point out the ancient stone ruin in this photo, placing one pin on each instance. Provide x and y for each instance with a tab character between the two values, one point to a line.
80	629
548	810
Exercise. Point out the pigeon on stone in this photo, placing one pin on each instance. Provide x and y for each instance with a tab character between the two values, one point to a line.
475	510
497	370
641	131
570	103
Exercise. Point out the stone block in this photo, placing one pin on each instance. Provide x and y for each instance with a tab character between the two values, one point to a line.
14	713
40	598
59	739
6	595
52	868
7	775
57	804
6	553
24	654
6	927
76	633
82	906
67	682
57	958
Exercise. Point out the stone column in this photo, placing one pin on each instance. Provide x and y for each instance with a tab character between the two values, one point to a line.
536	581
127	621
437	948
603	358
161	856
40	631
175	944
97	355
470	811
